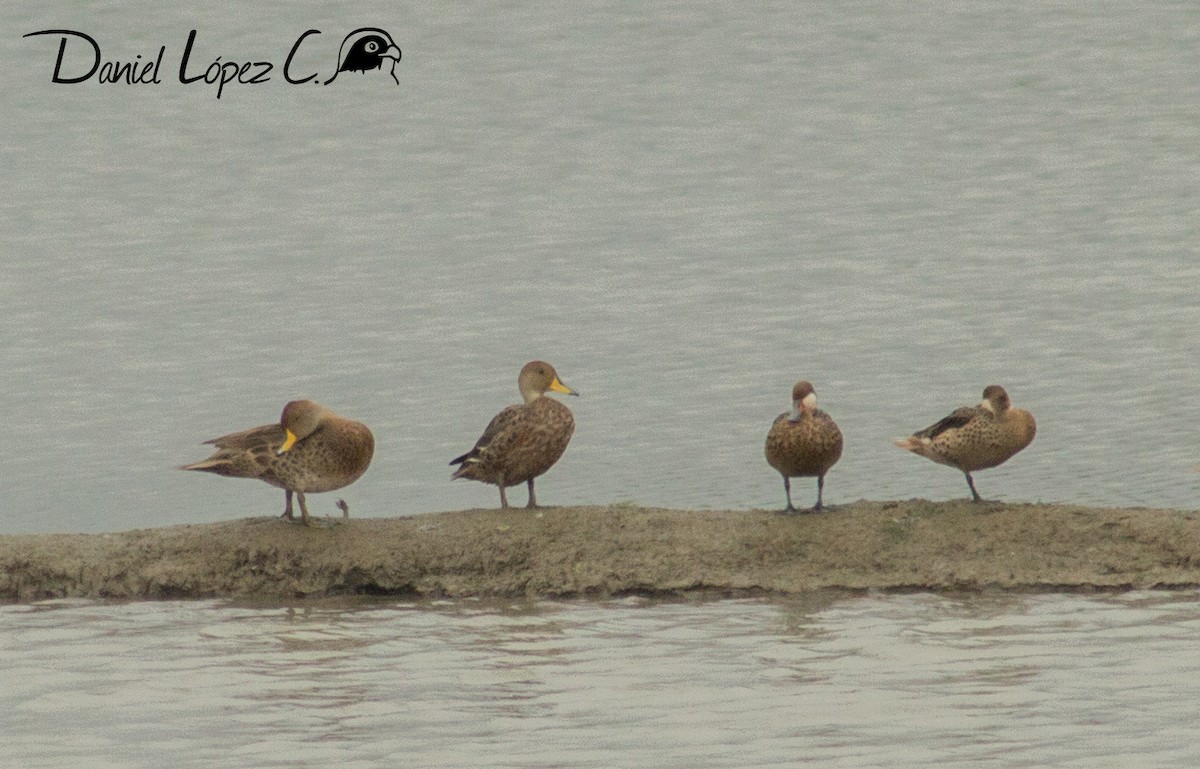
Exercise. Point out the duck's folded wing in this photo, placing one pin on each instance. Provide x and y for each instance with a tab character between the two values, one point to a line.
958	418
495	436
255	437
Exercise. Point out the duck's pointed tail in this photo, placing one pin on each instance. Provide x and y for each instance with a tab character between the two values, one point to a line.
218	465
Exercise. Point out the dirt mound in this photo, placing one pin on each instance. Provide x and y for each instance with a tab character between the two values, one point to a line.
597	551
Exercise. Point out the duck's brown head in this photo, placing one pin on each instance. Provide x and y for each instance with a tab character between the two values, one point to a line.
804	398
995	399
537	377
299	420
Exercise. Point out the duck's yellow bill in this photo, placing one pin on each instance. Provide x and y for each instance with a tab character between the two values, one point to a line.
288	443
559	387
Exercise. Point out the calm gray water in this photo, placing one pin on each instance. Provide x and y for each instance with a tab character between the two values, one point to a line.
919	680
685	206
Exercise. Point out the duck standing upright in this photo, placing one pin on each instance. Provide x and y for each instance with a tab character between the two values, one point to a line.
524	440
803	442
976	437
310	449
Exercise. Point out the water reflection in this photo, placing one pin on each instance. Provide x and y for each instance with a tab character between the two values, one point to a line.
872	680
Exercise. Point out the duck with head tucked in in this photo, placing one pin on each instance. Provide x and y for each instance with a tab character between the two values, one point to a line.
310	449
803	442
524	440
975	437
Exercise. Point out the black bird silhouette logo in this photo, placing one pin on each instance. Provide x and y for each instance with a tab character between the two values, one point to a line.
366	49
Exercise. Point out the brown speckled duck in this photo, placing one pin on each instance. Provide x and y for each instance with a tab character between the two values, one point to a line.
976	437
525	440
803	442
310	449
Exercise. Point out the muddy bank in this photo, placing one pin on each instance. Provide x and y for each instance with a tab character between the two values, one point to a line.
598	551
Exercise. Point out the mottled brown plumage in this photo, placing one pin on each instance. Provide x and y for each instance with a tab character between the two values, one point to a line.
525	440
803	442
975	437
311	449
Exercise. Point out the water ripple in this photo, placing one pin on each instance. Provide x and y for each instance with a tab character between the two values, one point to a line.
868	681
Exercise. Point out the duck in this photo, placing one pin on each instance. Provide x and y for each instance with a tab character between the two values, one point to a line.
524	440
803	442
976	438
311	449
